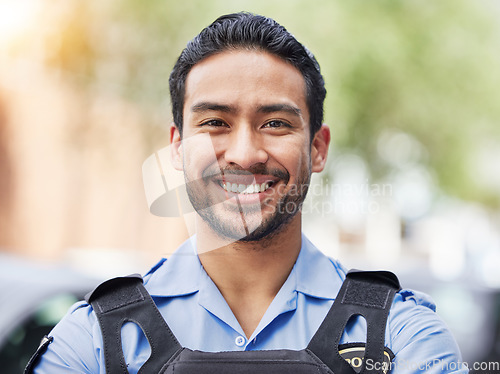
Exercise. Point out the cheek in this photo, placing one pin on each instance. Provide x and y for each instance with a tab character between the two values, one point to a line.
198	153
293	156
217	145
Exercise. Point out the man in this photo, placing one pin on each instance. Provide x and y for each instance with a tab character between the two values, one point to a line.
247	104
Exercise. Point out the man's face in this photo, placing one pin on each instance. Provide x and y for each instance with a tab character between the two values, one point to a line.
252	107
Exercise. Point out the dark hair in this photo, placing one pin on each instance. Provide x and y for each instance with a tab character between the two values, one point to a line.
251	31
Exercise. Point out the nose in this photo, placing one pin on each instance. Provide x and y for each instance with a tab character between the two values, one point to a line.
245	147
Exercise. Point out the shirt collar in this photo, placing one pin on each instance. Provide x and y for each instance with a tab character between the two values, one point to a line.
177	276
315	274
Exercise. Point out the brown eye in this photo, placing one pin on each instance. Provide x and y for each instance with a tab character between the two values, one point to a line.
213	123
275	124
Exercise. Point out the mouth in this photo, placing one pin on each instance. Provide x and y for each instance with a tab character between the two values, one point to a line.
246	189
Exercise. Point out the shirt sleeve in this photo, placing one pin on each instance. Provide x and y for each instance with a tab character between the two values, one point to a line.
421	341
74	348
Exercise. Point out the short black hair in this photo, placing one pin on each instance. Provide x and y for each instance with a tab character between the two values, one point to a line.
249	31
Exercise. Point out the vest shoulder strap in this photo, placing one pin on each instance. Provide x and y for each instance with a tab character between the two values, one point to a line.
125	299
364	293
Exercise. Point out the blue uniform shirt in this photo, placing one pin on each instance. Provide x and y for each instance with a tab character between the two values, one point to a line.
200	318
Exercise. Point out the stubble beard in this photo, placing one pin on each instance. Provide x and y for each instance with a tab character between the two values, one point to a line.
270	225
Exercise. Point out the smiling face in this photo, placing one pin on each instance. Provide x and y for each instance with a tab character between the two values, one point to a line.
252	105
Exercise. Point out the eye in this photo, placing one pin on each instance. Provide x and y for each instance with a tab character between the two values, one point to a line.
214	123
277	124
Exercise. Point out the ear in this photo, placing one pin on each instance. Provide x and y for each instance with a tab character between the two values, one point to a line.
319	149
175	148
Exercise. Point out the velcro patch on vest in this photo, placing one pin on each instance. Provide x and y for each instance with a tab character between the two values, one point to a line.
366	294
120	298
354	354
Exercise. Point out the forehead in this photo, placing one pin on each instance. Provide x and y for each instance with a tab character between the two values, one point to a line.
245	77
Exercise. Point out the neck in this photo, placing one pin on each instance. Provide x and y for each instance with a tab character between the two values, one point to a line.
250	274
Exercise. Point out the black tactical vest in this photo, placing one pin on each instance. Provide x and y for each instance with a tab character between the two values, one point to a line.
369	294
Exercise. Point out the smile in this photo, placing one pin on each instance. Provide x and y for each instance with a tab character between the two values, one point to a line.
246	188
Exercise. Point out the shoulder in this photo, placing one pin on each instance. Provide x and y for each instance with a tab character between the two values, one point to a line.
80	317
84	353
62	352
411	310
418	336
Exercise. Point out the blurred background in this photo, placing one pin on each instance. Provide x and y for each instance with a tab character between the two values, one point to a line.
413	179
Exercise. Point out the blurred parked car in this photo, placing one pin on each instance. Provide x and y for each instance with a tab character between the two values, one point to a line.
33	298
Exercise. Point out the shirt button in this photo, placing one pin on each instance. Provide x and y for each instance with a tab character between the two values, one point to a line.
239	341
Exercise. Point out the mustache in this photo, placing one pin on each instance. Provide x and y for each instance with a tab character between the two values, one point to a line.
257	169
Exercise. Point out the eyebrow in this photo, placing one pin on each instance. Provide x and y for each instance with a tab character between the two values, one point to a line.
208	106
270	108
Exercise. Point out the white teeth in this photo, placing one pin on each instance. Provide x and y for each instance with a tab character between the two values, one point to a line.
249	189
245	189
